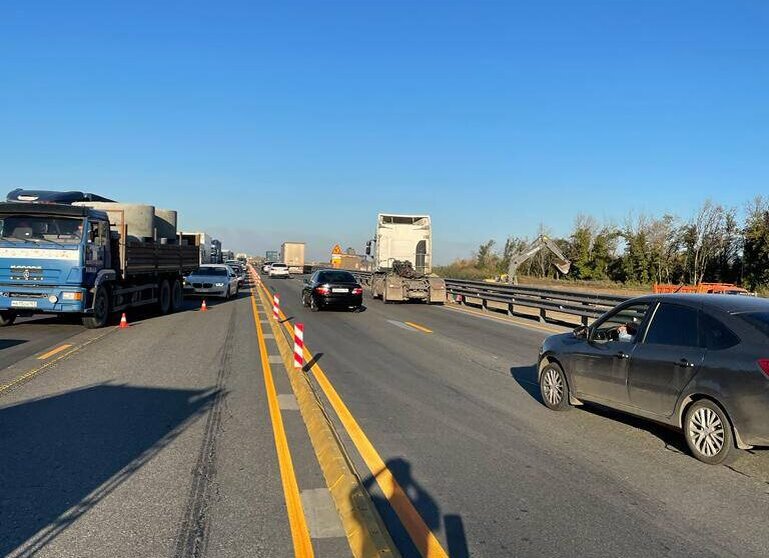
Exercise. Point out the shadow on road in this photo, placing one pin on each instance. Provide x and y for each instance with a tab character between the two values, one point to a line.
309	364
526	376
63	454
428	509
8	343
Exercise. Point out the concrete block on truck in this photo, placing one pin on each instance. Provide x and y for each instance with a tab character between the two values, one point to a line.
292	254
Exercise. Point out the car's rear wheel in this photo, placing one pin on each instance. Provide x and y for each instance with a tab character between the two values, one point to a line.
314	304
554	388
708	432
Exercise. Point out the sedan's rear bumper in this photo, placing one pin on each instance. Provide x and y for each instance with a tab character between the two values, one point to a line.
340	300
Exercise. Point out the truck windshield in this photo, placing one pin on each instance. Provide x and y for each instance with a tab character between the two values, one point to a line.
35	228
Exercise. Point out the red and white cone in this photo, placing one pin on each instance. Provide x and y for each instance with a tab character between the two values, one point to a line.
276	306
203	307
123	321
298	345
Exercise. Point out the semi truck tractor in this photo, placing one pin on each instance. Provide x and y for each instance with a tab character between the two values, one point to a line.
403	260
75	253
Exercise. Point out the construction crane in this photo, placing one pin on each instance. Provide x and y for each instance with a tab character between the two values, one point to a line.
561	262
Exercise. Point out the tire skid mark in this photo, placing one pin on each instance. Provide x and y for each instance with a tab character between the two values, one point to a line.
192	538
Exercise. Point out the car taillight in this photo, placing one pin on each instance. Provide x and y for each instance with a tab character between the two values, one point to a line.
323	290
764	364
357	291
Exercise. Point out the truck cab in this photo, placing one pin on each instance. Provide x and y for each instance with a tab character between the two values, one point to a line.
51	257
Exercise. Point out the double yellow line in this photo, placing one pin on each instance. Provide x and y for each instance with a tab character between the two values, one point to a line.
421	535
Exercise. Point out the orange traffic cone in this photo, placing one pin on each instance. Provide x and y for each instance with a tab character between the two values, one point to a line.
123	322
203	306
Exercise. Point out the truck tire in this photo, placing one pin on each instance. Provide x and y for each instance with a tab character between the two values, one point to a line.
177	296
384	295
164	297
101	310
7	317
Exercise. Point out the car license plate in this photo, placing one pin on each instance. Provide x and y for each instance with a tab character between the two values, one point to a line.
338	290
23	304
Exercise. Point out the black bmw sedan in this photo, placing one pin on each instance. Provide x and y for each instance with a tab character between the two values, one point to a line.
332	288
696	362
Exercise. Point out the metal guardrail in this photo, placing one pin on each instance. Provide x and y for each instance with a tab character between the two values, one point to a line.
582	305
585	306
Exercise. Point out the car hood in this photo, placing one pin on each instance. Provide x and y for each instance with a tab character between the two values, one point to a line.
207	279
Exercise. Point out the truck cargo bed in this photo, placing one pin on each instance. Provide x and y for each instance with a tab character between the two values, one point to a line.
148	258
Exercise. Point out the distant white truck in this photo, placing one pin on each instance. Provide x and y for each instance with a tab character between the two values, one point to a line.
292	254
403	260
202	240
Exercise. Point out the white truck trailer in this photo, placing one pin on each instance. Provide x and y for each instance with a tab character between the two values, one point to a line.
202	240
403	260
292	254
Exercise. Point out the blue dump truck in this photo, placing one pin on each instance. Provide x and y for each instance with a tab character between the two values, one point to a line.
73	253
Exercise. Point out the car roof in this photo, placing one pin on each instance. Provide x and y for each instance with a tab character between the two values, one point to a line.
733	304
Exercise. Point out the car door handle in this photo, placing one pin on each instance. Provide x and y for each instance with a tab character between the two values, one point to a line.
683	363
622	354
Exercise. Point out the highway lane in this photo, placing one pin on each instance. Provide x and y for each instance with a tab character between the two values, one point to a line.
493	472
151	441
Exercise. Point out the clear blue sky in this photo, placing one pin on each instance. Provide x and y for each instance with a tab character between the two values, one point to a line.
270	121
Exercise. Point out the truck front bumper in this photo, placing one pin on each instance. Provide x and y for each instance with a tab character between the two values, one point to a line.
42	299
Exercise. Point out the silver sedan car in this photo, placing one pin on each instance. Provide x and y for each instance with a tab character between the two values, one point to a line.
212	280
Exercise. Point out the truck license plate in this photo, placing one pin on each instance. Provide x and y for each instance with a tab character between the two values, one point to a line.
23	304
338	290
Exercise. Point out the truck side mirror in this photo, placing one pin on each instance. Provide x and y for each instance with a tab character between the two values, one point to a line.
368	248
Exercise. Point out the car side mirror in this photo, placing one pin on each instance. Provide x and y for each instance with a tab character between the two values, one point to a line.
581	332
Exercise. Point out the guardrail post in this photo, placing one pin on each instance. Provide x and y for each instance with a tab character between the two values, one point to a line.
584	320
484	305
542	314
510	309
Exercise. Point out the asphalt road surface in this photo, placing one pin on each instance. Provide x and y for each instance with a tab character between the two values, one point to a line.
157	441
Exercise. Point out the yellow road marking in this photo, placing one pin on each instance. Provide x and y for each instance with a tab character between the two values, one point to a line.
421	535
419	327
55	351
35	371
506	320
300	534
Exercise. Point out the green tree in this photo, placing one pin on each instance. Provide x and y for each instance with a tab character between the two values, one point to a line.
756	244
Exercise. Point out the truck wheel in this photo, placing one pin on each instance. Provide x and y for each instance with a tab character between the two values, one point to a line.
7	317
164	297
177	296
101	310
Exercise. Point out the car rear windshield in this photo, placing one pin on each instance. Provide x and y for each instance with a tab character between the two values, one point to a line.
278	265
759	320
336	277
217	271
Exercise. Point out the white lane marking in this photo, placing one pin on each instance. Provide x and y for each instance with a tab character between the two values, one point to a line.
275	359
287	402
401	325
322	517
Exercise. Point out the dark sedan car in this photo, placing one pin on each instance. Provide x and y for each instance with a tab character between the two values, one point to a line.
332	288
696	362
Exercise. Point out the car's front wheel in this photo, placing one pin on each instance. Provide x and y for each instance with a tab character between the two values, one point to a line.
554	388
708	432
